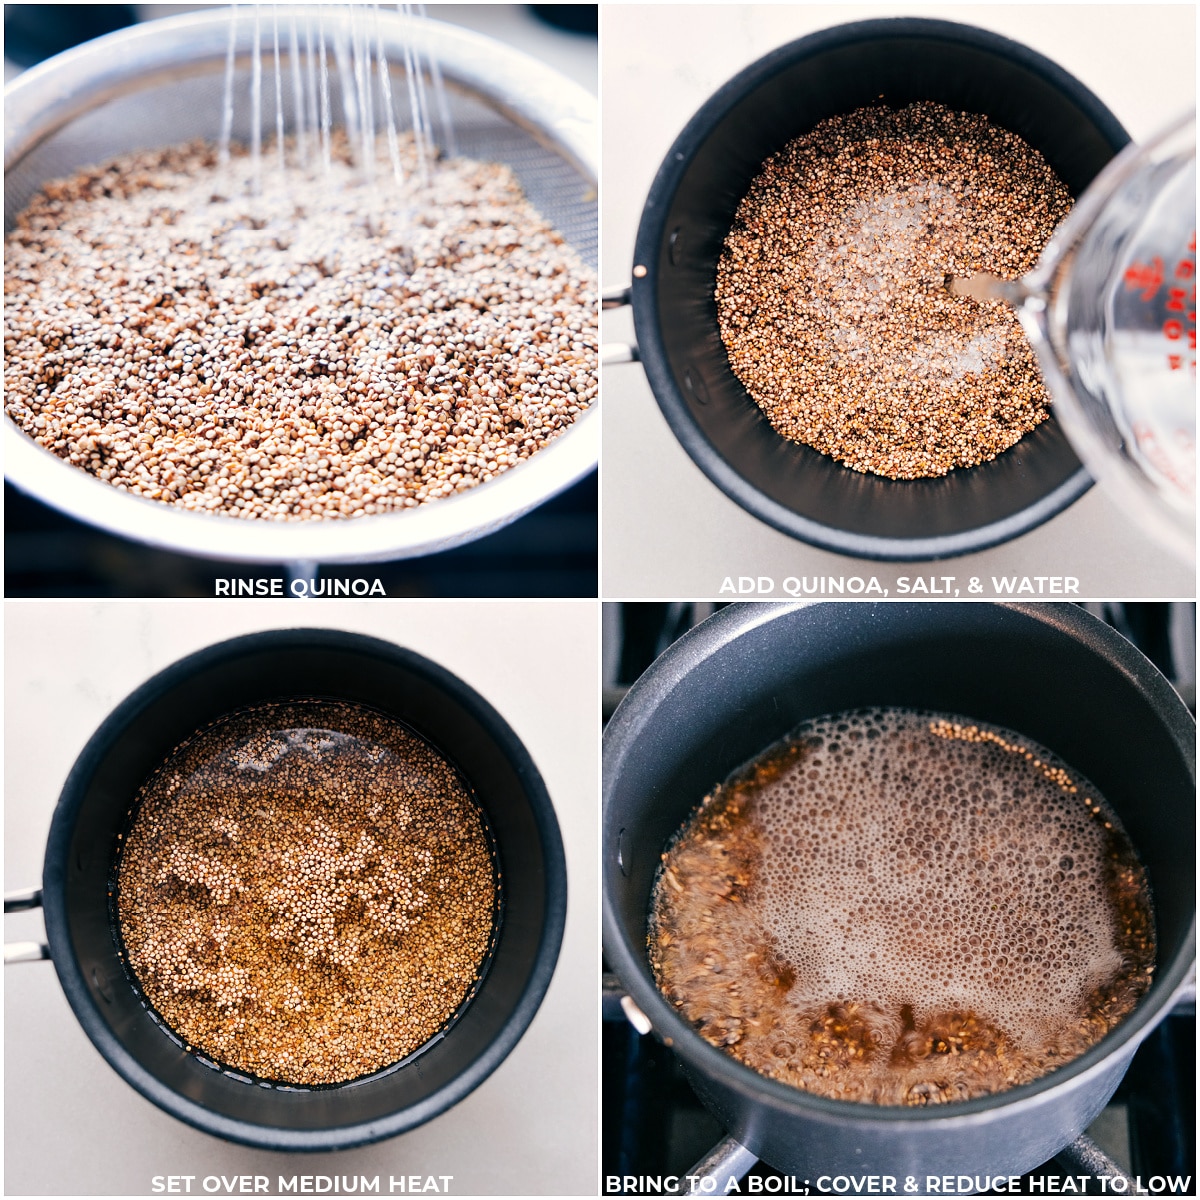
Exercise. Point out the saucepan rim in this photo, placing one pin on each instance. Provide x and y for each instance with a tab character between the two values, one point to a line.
331	1137
718	634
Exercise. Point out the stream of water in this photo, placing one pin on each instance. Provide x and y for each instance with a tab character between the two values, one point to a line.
354	37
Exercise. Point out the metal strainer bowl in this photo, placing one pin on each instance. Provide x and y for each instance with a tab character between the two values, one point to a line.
162	83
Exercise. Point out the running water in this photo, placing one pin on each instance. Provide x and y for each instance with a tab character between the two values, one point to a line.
299	104
385	85
256	105
279	143
440	95
345	73
983	287
311	99
227	105
354	37
326	115
361	51
416	98
421	107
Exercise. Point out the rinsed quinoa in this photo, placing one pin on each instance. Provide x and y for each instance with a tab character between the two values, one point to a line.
306	892
322	349
831	288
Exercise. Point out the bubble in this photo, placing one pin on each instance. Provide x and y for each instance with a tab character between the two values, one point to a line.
963	832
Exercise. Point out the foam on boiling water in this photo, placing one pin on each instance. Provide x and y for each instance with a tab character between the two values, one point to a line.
903	907
916	854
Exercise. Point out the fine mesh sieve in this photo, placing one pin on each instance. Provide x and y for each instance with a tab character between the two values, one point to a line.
163	83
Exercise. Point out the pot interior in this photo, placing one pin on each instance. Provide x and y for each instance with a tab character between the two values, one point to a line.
308	664
690	213
740	682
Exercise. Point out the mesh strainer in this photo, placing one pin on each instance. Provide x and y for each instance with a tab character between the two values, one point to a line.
163	83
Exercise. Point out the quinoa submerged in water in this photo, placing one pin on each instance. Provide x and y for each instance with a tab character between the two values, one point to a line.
306	892
324	349
898	907
831	292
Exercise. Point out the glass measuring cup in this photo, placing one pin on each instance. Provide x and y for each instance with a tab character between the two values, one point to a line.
1110	310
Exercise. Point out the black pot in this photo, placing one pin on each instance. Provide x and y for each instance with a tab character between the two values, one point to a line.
750	674
292	664
690	210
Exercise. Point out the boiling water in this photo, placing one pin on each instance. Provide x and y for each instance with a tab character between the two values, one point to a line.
903	908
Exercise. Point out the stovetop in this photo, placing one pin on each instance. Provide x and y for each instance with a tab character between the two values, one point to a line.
656	1130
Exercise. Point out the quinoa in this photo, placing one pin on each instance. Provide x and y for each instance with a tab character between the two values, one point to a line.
894	906
306	892
324	348
831	293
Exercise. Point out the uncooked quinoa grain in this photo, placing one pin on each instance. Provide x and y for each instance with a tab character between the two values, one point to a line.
306	892
322	349
831	288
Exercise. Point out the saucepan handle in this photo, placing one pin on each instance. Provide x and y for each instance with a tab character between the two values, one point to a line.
18	952
618	297
617	352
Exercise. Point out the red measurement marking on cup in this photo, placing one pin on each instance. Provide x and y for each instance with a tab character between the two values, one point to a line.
1148	276
1150	446
1179	325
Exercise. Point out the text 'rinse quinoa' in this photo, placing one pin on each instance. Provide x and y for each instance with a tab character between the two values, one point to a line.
831	290
306	892
323	349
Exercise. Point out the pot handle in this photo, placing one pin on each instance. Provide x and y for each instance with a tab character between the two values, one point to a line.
618	1003
618	297
728	1159
618	352
18	952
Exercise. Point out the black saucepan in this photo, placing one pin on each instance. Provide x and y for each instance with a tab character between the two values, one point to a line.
747	676
290	664
690	210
